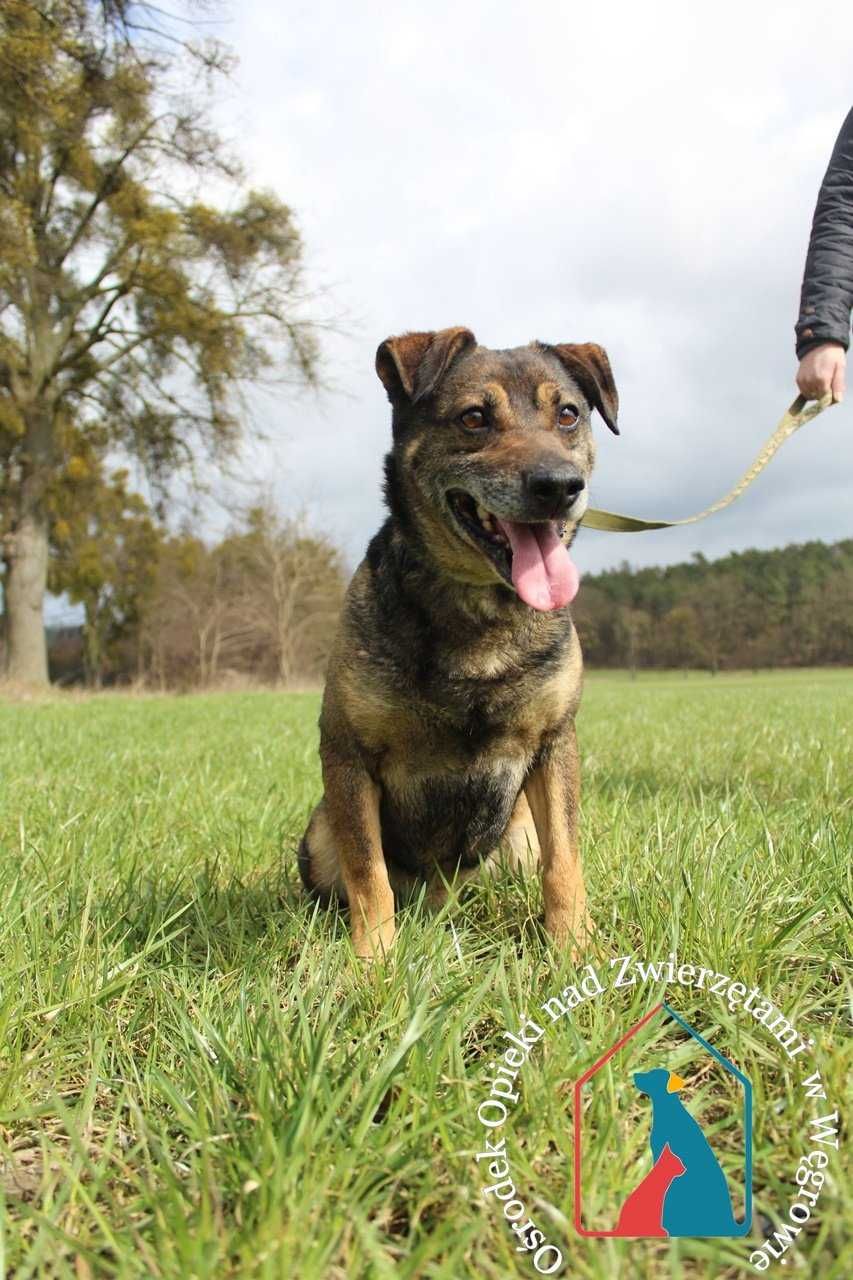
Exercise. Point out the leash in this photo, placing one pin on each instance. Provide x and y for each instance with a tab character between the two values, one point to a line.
800	412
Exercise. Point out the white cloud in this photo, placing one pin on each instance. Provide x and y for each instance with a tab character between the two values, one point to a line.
642	177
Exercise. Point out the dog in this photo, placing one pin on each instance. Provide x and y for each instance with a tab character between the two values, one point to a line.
447	729
697	1203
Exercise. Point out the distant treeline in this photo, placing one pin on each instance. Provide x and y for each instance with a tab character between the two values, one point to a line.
784	608
171	611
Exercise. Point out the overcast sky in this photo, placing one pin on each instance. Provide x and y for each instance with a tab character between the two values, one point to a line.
639	176
642	176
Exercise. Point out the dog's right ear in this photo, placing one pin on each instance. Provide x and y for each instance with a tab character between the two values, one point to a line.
588	364
412	365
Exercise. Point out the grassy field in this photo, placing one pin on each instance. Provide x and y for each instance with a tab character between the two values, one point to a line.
198	1080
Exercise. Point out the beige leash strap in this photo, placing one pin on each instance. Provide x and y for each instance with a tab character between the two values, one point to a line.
800	412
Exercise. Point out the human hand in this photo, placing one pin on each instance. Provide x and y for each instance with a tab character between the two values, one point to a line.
822	370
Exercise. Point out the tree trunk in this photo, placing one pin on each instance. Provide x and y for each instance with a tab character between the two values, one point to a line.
26	583
4	642
92	645
26	558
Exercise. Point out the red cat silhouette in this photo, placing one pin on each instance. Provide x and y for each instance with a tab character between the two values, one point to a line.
641	1212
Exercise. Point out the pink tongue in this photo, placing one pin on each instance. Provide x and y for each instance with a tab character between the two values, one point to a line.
542	570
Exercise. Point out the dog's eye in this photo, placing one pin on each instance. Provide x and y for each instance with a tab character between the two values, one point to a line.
569	415
473	419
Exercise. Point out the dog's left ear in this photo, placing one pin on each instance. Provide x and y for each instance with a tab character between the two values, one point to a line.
412	365
588	364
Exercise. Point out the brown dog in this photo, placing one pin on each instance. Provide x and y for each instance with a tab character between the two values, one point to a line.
447	728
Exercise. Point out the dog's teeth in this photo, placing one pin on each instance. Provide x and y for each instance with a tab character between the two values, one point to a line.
482	513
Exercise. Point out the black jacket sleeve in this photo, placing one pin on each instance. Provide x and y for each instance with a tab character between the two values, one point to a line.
827	293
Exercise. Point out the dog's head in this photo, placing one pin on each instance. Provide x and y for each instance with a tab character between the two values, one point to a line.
657	1082
492	454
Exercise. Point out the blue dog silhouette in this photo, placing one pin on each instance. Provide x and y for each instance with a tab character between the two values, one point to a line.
697	1203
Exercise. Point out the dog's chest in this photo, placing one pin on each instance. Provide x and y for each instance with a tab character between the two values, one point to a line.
449	715
450	742
450	781
450	774
448	819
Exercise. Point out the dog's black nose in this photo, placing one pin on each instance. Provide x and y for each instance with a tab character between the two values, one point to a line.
553	488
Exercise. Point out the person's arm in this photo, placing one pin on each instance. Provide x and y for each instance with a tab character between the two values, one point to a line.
823	327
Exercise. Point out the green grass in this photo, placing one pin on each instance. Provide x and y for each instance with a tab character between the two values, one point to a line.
198	1080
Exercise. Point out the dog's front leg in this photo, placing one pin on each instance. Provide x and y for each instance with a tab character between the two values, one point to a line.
553	792
352	803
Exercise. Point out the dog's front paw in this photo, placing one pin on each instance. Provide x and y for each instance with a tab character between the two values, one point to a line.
373	944
569	930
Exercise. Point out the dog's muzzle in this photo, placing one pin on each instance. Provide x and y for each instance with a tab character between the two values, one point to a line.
550	492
